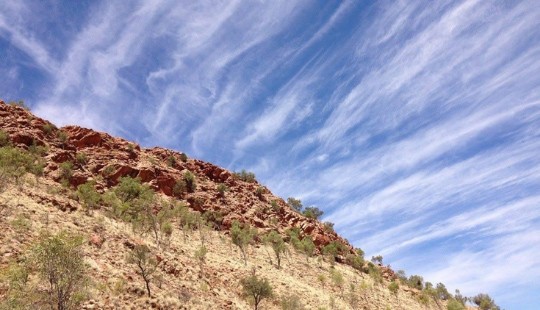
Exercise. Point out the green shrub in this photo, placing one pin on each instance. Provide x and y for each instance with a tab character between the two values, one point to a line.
66	171
183	157
416	281
329	227
146	264
49	128
245	176
242	235
14	164
4	138
377	259
171	161
191	184
337	279
295	204
308	246
59	262
454	305
62	137
278	245
19	104
222	188
81	158
393	287
484	302
256	289
180	188
291	302
259	192
88	196
313	212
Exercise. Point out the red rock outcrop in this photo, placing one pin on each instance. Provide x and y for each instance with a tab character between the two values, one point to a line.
105	159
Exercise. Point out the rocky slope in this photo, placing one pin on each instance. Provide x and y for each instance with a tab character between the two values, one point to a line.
44	204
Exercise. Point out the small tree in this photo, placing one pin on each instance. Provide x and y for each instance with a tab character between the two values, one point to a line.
88	196
416	282
146	264
59	261
485	302
245	176
4	138
308	247
337	279
191	184
393	287
66	172
377	259
200	256
277	244
313	212
256	289
291	302
222	188
294	203
241	237
454	305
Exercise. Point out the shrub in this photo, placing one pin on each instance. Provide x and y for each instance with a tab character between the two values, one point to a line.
179	188
200	256
88	196
256	289
337	279
62	137
377	259
134	197
416	282
462	299
19	104
171	161
4	138
484	302
454	305
393	287
14	164
159	224
295	204
107	171
241	237
313	213
81	158
442	292
308	246
145	263
245	176
355	261
222	188
48	129
278	245
191	184
183	157
66	172
329	227
291	302
333	249
59	261
259	192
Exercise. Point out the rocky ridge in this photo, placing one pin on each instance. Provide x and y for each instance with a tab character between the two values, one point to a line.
107	159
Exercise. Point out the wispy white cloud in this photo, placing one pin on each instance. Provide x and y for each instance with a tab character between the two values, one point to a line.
413	126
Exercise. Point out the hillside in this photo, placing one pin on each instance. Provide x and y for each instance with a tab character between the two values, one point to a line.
197	265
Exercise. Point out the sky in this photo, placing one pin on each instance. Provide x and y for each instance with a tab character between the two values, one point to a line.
414	125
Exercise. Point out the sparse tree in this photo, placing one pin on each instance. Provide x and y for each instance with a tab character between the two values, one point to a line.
256	289
146	264
191	183
88	196
377	259
484	302
241	237
278	245
200	256
313	212
59	261
294	203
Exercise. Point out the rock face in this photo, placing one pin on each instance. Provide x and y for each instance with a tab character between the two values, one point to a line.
105	159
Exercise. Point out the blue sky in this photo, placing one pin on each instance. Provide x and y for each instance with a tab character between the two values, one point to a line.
414	125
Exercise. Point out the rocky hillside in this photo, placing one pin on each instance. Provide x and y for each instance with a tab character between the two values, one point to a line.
198	267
